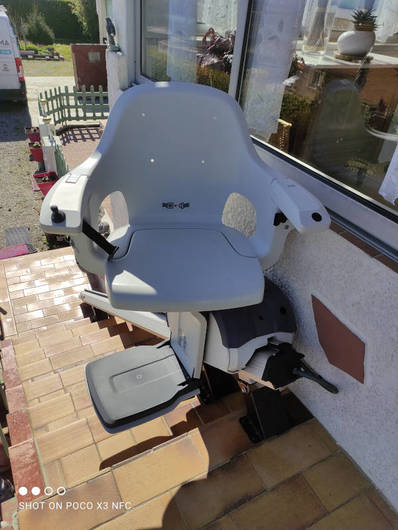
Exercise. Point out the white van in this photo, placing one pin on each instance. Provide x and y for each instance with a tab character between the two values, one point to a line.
12	81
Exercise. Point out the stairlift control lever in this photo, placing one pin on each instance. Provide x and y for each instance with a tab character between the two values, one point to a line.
287	365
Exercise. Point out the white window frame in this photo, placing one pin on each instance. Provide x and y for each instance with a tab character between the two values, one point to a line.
372	221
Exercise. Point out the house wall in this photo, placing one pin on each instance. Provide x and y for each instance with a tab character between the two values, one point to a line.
363	294
101	12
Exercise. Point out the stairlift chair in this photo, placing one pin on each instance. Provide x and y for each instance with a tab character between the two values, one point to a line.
176	151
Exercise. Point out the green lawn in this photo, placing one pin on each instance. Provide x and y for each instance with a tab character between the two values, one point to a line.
42	68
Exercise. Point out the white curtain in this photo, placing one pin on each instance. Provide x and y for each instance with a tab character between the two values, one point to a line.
218	14
387	18
275	30
389	187
181	53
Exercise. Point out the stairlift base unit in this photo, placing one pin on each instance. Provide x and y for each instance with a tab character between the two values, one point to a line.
234	335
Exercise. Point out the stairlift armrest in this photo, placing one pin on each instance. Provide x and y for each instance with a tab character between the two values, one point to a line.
302	209
67	194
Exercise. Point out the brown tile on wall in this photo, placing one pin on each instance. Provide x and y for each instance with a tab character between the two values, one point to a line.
342	347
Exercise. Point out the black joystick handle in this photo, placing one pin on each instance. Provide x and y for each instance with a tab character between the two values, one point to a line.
57	216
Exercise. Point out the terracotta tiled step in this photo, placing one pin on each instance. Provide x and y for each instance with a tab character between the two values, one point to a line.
64	441
59	444
100	489
91	327
65	349
7	509
51	410
175	486
360	512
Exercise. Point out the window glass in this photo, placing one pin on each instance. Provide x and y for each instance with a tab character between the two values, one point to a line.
321	84
189	40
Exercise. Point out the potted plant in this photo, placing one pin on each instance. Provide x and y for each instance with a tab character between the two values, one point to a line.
36	151
356	44
47	182
33	133
42	175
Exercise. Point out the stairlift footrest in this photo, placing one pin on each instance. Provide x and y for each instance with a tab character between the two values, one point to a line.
137	384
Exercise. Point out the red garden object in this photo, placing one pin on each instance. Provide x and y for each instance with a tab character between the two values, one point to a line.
13	251
37	151
45	175
33	133
45	187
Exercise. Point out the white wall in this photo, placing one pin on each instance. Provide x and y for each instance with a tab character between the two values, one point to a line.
363	294
120	66
101	12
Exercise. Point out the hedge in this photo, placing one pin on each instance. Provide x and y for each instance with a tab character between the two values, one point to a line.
37	30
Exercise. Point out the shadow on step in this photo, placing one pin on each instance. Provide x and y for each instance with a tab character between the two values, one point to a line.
134	450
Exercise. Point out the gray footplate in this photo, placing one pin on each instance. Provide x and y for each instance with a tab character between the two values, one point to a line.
136	385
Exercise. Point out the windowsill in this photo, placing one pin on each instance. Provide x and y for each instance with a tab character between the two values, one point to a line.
365	219
371	250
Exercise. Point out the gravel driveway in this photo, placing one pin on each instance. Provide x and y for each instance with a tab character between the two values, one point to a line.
19	205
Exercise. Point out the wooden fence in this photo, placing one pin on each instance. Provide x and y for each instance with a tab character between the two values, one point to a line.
66	105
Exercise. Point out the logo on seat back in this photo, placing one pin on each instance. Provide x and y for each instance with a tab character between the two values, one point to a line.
174	205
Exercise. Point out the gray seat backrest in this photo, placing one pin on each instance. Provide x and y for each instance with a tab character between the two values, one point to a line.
174	143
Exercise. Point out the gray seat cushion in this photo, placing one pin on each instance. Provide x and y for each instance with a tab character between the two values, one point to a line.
184	269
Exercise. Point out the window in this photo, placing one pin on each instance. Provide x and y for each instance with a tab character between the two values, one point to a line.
191	40
328	107
322	113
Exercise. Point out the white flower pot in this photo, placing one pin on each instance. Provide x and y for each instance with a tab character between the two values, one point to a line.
356	43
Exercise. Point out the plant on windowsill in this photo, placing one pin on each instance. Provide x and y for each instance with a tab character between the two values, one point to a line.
355	45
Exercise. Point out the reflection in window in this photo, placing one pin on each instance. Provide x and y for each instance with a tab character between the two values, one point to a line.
334	111
189	40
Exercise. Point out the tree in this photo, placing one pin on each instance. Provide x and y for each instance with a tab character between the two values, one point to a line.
17	10
86	12
37	30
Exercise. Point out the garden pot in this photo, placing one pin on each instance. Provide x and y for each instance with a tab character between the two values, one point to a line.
33	133
42	175
356	43
45	187
37	153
